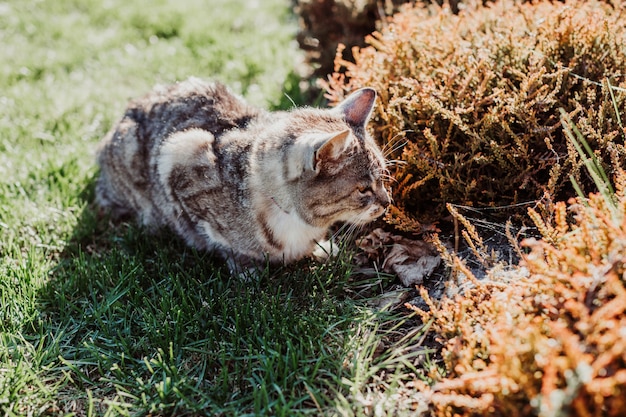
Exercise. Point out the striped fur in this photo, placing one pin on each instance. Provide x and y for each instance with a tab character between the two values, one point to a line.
247	183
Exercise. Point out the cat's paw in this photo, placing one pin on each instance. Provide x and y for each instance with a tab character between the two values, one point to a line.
324	250
245	270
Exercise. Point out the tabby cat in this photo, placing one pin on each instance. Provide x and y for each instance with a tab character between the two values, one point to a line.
247	183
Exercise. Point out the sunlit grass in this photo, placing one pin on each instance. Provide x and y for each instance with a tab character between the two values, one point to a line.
99	318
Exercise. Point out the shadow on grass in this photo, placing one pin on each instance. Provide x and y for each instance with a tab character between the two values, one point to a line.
146	324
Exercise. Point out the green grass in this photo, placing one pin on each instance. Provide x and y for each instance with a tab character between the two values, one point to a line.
104	319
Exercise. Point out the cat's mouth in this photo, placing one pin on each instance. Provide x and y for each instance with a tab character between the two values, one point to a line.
380	206
372	213
377	211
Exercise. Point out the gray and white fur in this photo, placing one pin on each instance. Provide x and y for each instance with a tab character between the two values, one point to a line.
247	183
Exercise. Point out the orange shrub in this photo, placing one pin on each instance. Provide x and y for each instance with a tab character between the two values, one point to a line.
469	102
552	341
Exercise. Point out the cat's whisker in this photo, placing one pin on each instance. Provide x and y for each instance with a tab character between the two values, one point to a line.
347	230
343	230
355	229
389	178
392	145
395	162
391	141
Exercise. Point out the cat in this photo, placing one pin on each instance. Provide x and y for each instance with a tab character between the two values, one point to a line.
250	184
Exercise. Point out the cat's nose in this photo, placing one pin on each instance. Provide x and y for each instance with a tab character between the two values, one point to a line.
384	199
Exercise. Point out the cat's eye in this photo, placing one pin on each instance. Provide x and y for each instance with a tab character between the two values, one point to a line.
364	189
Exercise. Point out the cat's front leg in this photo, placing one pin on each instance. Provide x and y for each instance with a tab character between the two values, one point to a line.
244	268
324	250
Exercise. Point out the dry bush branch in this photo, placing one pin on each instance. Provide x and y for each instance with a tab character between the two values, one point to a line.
476	98
548	344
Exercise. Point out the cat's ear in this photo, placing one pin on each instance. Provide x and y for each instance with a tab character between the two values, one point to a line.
357	108
333	148
306	154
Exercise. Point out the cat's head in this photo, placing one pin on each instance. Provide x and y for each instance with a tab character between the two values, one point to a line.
340	168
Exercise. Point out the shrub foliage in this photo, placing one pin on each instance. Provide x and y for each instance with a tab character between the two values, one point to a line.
551	343
469	102
324	24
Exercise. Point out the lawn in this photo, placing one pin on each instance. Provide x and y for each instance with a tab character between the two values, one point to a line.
99	318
